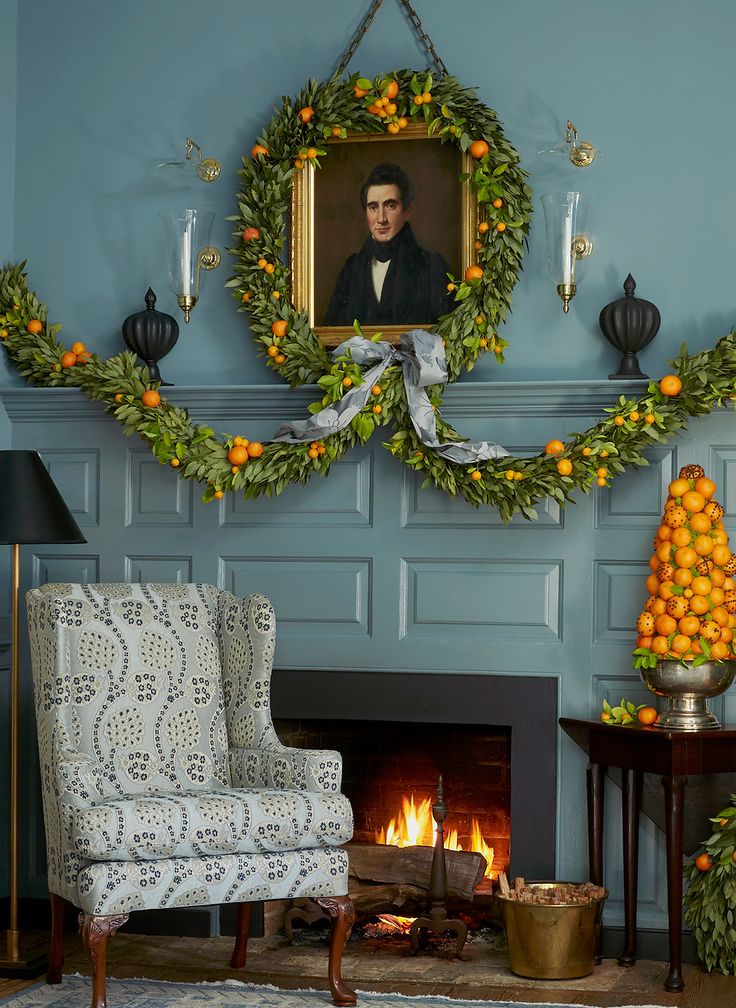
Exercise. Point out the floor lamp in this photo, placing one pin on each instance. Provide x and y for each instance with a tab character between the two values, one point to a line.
31	511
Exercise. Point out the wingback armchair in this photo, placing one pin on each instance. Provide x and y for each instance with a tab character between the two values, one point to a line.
164	782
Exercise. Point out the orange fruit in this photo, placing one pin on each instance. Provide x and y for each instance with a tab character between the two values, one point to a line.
678	487
564	467
699	604
660	645
476	475
670	385
664	551
700	522
34	327
675	516
719	615
719	650
306	113
664	532
68	359
151	398
705	486
78	348
693	501
652	584
647	715
377	409
645	642
257	150
273	350
665	572
689	625
255	449
681	536
392	89
645	623
703	545
478	148
279	328
473	273
703	862
497	203
665	625
658	606
554	447
710	630
721	554
682	577
237	455
677	606
717	595
680	644
685	556
701	585
500	227
714	510
359	92
718	577
251	233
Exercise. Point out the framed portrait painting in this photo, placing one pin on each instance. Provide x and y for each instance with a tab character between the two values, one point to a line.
369	187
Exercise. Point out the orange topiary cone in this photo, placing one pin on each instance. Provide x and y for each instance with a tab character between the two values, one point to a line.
690	613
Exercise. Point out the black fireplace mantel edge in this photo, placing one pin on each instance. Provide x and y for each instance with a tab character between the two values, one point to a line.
528	705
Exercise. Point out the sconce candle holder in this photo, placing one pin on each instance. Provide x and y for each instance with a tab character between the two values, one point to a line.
629	324
207	169
566	244
188	251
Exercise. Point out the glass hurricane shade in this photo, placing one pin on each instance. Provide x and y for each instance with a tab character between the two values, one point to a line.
31	508
563	219
151	334
187	233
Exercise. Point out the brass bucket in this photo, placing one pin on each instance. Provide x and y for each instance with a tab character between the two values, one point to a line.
551	942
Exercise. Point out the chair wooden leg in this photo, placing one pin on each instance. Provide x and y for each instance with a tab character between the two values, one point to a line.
95	930
56	947
241	936
341	912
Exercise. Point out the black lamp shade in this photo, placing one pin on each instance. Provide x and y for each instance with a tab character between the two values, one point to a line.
31	508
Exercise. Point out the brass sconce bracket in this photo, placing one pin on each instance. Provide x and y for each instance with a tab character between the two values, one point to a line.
581	152
582	246
209	258
208	169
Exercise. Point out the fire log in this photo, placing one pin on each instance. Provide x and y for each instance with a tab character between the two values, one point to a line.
412	866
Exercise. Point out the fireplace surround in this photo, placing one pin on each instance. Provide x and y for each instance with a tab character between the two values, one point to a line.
527	705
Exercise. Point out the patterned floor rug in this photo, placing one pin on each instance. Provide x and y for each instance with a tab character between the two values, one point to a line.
76	992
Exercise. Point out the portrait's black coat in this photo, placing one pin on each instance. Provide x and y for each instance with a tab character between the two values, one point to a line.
414	289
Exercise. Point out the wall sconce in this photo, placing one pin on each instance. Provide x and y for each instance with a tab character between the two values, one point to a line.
566	242
188	252
578	152
207	169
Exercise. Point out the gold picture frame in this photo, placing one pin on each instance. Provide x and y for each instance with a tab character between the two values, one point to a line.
327	223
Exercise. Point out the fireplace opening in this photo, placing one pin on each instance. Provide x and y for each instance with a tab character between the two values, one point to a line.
390	774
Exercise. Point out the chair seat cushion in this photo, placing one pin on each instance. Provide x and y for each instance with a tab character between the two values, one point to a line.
196	823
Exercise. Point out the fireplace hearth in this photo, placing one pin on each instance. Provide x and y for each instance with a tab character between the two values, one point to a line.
494	730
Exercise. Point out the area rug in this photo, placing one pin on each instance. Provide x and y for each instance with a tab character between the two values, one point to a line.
76	992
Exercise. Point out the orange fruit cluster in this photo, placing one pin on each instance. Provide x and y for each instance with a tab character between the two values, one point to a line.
691	608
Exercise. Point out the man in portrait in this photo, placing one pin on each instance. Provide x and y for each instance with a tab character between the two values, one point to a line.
391	280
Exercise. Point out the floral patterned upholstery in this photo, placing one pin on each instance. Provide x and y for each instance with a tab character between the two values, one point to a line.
164	782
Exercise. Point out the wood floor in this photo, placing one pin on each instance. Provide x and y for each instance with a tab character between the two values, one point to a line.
371	967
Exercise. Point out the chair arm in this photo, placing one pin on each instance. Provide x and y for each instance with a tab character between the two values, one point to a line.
78	780
285	767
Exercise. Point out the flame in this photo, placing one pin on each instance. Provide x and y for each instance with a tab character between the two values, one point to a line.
414	826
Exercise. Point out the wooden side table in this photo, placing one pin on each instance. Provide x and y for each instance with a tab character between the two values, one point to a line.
674	755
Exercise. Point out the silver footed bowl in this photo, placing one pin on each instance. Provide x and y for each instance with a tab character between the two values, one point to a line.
687	688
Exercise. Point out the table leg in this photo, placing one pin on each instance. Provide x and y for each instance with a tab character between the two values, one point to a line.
595	793
630	802
674	793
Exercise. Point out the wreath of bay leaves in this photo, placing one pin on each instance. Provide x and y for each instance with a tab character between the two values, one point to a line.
261	285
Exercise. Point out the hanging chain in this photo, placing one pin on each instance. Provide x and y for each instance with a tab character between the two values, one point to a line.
368	21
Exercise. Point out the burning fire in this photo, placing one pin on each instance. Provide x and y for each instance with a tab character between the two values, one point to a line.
415	827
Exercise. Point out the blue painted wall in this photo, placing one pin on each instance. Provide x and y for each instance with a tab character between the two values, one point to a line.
99	106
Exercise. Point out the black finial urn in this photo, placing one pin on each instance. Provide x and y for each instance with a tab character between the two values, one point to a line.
151	334
629	324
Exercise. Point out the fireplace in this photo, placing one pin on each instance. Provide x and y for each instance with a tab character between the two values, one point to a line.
497	731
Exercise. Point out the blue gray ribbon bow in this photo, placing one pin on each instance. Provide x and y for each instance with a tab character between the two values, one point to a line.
422	359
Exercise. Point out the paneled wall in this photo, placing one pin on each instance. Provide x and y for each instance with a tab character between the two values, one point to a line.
368	571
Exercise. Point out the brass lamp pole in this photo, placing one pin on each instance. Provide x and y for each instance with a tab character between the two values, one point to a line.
31	511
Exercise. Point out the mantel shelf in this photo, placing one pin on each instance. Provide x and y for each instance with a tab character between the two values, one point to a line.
462	399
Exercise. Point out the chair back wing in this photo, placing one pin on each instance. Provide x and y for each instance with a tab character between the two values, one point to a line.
129	678
248	628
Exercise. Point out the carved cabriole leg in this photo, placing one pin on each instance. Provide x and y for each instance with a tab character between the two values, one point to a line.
241	936
95	930
56	947
341	912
